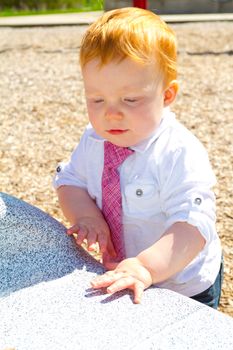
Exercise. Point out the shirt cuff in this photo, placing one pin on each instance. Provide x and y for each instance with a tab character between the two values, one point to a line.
63	178
201	221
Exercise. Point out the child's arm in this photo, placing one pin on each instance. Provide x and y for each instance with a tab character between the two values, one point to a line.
179	245
86	218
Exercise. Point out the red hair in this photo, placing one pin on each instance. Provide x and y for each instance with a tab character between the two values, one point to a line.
133	33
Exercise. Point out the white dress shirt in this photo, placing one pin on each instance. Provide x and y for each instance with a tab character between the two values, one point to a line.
167	179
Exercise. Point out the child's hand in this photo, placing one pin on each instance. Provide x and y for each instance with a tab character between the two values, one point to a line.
129	273
94	230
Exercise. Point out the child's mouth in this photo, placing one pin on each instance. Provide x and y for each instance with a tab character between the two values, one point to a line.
117	131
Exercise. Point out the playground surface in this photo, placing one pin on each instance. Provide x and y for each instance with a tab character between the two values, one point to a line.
43	112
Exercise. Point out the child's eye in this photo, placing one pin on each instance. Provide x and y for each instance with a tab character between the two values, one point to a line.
130	100
95	100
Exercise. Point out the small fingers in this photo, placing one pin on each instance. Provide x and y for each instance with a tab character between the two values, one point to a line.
138	292
106	280
72	229
115	281
91	240
103	241
128	282
121	284
101	238
82	234
105	244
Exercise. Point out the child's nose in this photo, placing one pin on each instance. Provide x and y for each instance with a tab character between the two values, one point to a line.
113	113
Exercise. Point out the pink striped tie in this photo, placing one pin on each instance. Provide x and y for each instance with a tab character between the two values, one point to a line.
114	156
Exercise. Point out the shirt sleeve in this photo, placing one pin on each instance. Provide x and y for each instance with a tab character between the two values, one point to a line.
186	195
73	172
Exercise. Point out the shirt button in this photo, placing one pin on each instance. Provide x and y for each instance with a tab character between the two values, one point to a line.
197	201
58	169
139	192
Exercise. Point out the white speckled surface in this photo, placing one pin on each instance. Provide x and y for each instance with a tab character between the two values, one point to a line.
46	301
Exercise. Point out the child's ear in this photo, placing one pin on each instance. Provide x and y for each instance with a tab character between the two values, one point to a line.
170	93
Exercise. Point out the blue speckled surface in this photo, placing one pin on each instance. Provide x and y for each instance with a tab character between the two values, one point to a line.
46	301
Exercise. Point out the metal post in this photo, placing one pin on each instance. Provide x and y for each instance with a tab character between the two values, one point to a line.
140	3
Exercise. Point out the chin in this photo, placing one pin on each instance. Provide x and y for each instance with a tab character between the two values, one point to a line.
117	141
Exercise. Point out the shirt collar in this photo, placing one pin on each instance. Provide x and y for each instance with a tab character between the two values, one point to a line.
167	119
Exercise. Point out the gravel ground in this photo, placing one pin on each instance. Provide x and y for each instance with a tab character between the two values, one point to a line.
43	113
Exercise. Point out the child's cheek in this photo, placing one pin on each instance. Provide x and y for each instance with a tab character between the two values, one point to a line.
92	110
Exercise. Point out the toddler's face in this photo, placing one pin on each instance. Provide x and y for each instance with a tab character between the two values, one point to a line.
125	100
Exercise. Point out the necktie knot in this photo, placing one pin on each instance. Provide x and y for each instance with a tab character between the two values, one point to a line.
114	155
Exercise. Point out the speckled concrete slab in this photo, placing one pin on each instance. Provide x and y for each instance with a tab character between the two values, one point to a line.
46	301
